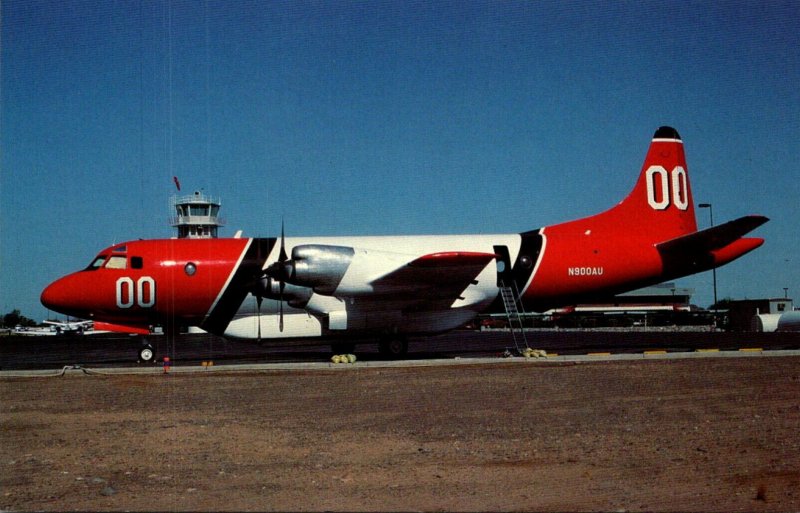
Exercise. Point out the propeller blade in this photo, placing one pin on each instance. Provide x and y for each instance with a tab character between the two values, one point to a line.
280	318
259	299
282	257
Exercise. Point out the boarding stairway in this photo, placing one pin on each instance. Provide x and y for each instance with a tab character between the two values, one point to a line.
512	305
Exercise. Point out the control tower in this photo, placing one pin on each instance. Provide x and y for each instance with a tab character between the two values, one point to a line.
197	216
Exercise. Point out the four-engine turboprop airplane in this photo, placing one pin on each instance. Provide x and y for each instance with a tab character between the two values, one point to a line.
389	287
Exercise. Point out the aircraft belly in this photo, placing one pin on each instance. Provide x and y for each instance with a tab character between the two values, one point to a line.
296	325
396	321
436	322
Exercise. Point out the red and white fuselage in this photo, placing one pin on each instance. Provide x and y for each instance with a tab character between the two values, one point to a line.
394	285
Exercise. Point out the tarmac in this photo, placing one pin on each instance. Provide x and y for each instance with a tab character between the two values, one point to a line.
655	430
548	359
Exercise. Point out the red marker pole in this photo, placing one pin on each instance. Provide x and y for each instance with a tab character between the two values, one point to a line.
167	364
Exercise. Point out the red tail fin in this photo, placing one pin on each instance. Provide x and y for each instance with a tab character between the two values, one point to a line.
660	206
615	250
650	236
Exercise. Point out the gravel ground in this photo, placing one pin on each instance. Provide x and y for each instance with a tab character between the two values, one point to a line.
696	434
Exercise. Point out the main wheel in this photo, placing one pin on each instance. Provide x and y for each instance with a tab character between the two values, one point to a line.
393	348
146	353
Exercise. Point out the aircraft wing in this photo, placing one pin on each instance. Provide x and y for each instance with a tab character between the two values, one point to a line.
374	290
436	275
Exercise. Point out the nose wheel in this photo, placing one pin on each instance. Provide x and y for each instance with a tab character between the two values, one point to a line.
146	353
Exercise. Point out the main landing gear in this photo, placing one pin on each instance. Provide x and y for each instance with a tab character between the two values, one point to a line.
393	348
389	348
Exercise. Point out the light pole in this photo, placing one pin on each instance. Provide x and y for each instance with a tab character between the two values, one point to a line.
714	270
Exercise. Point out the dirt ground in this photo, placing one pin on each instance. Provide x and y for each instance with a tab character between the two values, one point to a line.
696	434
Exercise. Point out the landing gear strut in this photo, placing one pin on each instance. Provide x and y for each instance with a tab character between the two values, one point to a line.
393	348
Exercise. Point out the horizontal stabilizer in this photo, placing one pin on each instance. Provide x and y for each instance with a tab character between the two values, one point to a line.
713	238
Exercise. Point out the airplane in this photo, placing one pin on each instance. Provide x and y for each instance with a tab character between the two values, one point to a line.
78	327
387	288
56	328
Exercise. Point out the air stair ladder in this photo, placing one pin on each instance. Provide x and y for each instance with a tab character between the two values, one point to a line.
510	301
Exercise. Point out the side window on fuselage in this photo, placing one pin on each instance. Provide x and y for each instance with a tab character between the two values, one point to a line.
137	262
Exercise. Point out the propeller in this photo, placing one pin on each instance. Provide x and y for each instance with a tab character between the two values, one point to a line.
282	257
278	271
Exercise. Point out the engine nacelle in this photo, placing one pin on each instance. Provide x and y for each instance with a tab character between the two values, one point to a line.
295	295
315	266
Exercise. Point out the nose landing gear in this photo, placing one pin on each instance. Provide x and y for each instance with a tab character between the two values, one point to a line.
146	353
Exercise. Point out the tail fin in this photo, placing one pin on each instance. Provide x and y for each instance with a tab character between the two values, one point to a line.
660	206
648	237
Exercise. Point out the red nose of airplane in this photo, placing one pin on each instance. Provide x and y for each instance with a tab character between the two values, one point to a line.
59	296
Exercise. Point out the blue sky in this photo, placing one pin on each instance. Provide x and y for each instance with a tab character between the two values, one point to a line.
387	118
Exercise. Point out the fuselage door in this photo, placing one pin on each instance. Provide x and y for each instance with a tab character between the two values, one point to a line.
504	275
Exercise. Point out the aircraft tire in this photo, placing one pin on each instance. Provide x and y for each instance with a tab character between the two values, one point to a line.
146	354
393	348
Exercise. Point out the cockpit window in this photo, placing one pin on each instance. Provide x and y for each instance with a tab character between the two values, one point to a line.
120	249
117	262
137	262
97	263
